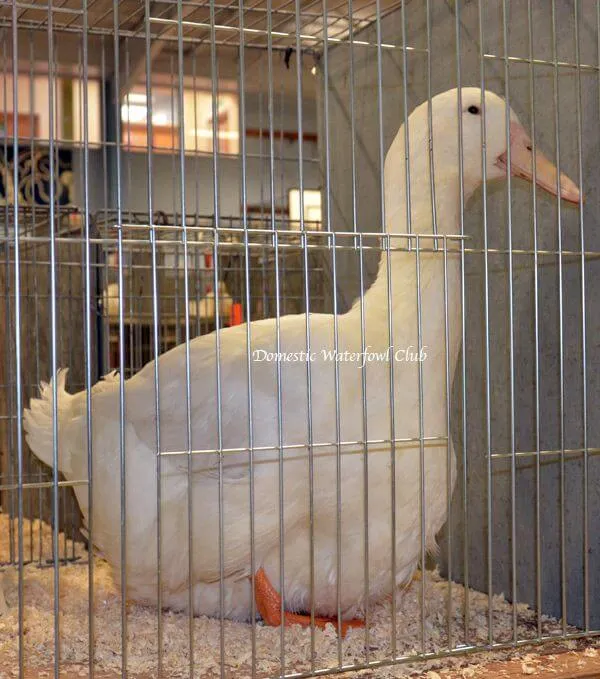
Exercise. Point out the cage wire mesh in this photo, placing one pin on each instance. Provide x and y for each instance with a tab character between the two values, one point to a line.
171	170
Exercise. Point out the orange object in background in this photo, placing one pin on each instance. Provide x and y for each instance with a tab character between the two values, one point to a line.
237	316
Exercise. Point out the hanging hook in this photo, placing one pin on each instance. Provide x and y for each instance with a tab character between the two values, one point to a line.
288	56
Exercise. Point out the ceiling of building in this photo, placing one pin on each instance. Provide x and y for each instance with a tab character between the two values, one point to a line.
279	25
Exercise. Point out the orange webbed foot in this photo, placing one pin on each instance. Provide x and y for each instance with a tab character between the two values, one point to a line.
268	604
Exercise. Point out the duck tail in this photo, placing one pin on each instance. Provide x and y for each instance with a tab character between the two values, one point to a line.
38	421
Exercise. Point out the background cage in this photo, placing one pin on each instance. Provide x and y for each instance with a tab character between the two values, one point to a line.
316	94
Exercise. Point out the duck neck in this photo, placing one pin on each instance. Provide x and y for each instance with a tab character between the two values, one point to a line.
396	273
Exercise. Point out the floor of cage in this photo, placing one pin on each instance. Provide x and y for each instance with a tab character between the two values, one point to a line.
142	632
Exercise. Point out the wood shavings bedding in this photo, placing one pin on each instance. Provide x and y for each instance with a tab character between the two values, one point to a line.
142	627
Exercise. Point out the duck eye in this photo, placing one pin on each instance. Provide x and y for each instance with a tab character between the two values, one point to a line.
473	109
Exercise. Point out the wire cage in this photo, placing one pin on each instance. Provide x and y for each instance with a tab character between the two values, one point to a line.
133	259
34	296
231	252
175	174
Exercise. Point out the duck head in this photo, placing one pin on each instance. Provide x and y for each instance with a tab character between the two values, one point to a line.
517	150
514	155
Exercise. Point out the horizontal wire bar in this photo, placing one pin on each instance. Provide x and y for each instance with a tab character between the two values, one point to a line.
302	446
564	254
285	34
237	245
253	9
321	233
258	449
167	151
49	563
438	655
41	8
36	485
543	62
545	453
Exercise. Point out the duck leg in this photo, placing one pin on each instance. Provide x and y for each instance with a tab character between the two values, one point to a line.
268	604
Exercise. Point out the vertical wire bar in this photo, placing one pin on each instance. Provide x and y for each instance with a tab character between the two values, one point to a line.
390	330
278	292
390	325
40	475
247	280
365	427
299	104
363	338
513	467
280	447
309	424
282	163
249	392
172	296
8	390
406	114
122	364
431	167
430	124
54	159
538	514
351	105
563	557
336	367
217	223
9	366
174	157
197	251
421	437
338	431
35	281
260	136
387	255
310	445
266	311
310	438
131	297
463	324
53	340
488	413
186	297
84	99
127	74
155	332
104	105
17	340
29	462
586	536
449	452
198	254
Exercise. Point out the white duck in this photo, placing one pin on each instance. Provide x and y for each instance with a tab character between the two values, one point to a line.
232	435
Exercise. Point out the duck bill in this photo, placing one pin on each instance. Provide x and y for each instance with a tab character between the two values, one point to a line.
522	165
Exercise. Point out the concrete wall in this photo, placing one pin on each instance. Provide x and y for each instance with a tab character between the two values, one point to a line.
472	535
